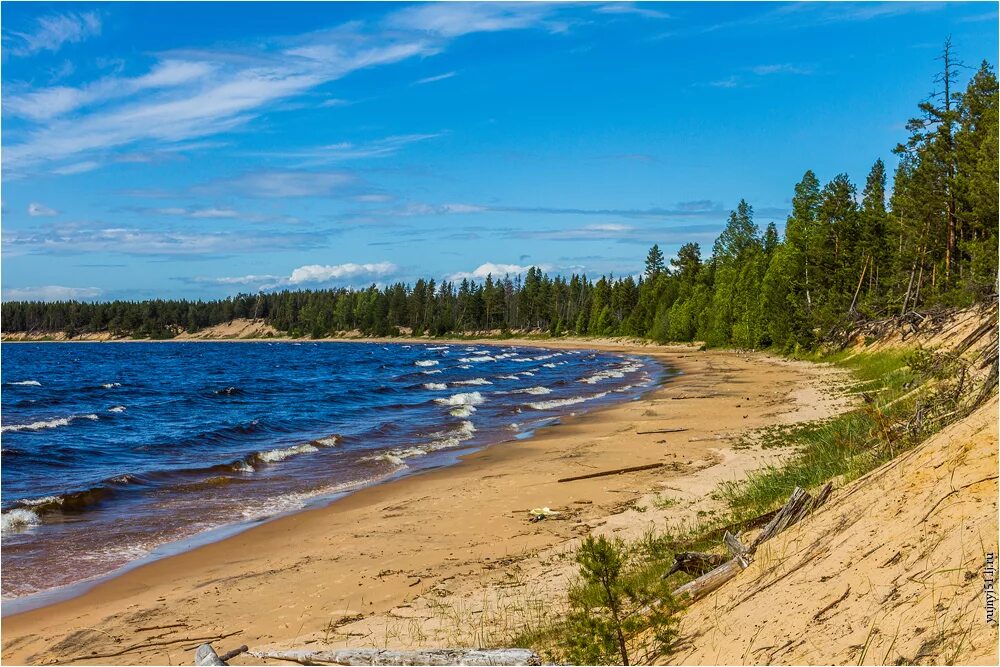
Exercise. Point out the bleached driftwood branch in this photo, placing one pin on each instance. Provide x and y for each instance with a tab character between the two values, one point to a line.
445	656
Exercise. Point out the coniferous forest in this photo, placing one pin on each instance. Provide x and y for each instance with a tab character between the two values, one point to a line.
923	236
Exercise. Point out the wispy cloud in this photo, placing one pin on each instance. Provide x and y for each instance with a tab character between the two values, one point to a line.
193	94
347	150
53	31
137	241
36	210
432	79
690	209
51	293
781	68
799	15
278	184
638	9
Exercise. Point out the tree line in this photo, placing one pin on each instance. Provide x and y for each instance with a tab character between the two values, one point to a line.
929	238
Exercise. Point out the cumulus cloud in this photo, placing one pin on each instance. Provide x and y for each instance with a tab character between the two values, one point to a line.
321	273
36	210
51	32
51	293
494	269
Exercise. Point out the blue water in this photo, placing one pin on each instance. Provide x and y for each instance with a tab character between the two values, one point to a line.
111	450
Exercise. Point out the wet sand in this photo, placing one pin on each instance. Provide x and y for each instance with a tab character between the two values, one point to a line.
446	556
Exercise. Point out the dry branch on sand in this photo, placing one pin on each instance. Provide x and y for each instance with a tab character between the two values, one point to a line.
206	655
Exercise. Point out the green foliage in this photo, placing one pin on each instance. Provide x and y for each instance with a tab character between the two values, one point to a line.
608	622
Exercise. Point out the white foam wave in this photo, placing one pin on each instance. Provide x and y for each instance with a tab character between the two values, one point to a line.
548	365
561	402
275	455
111	385
470	398
610	373
434	372
507	377
435	386
536	391
27	383
462	411
439	347
51	423
18	520
329	441
474	381
477	359
426	362
117	408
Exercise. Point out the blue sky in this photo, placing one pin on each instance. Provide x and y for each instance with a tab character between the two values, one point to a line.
202	149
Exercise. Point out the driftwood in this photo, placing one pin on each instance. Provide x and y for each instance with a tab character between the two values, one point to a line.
206	655
707	583
695	563
661	430
798	506
618	471
734	545
362	656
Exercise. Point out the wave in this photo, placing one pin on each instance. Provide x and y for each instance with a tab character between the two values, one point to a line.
613	373
425	362
229	391
474	381
562	402
536	391
477	359
26	383
434	372
275	455
507	377
548	365
435	386
51	423
117	408
462	411
111	385
470	398
18	520
439	347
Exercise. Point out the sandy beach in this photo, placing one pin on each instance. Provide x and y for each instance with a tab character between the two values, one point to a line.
446	557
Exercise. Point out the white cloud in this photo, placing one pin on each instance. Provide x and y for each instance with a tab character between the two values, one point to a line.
51	293
54	30
77	168
631	8
494	269
432	79
781	68
285	184
76	239
347	150
454	19
317	273
193	94
213	213
36	210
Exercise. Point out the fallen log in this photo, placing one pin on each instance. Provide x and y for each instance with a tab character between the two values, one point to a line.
661	430
705	584
617	471
361	656
695	563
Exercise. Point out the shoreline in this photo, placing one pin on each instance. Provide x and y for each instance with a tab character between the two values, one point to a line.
44	598
392	546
